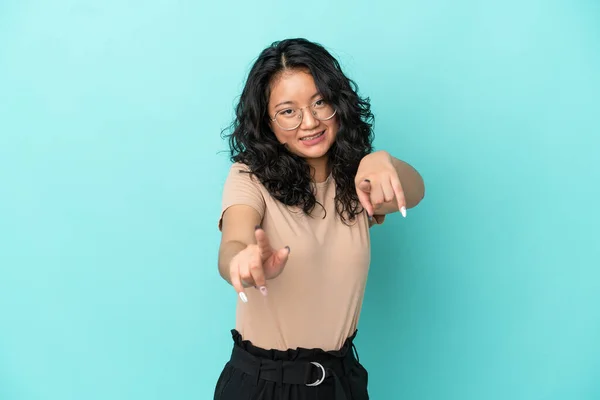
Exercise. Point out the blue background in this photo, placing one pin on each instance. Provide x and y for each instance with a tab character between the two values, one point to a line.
111	168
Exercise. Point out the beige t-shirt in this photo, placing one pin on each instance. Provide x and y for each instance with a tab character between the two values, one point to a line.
316	301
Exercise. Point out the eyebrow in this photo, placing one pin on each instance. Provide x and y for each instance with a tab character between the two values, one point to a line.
291	102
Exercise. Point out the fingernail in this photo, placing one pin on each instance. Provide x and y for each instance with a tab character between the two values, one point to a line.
263	290
243	297
403	211
257	227
370	218
289	250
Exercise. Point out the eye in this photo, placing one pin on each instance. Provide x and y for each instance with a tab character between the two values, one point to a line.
320	103
288	112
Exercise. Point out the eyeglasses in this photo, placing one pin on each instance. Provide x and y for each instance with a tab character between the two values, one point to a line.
291	118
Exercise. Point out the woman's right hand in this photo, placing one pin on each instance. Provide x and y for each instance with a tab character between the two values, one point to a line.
256	264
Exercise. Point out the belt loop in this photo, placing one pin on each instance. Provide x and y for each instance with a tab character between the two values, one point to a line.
348	362
279	367
355	352
280	376
258	370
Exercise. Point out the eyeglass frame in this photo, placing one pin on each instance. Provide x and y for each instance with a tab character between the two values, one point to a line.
274	119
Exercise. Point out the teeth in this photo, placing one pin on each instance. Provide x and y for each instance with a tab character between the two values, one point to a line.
312	137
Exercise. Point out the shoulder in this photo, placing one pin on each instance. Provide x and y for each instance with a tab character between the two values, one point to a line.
239	166
240	171
240	175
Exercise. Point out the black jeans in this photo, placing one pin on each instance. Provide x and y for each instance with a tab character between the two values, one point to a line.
254	373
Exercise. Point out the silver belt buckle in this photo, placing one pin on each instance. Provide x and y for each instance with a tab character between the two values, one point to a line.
318	381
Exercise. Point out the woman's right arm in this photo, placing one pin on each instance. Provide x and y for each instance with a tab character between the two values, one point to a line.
237	233
245	256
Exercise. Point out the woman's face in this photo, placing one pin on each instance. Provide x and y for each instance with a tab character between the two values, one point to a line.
293	89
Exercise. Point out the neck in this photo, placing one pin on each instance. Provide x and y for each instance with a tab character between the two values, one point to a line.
319	168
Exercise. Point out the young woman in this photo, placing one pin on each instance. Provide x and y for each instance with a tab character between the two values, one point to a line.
303	191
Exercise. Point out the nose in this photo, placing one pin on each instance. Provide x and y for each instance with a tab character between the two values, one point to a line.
308	120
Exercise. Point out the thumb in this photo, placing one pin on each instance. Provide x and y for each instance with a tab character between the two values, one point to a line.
281	256
364	186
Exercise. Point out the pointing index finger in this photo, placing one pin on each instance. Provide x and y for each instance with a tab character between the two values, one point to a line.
264	247
399	192
362	191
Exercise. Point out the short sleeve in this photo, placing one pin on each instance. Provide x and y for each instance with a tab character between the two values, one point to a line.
241	188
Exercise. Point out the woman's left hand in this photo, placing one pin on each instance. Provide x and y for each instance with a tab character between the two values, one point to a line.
378	184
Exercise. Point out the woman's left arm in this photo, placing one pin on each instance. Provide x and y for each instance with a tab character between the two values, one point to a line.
385	184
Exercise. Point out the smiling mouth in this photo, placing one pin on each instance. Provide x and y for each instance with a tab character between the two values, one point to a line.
306	138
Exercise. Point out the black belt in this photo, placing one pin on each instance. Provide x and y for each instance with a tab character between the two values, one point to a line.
309	373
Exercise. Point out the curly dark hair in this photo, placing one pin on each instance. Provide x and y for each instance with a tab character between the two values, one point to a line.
285	175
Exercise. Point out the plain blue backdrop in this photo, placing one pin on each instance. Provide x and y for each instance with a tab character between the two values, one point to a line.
111	168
